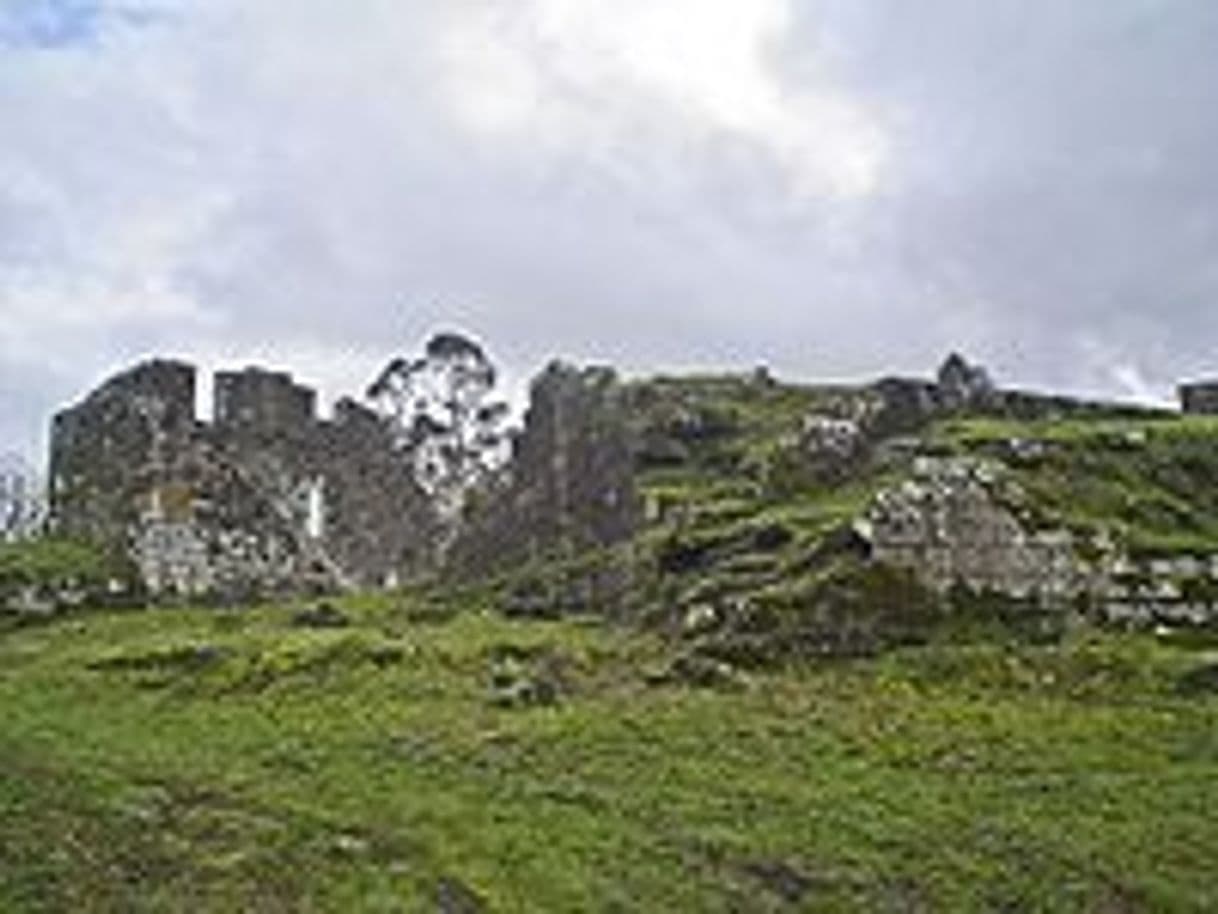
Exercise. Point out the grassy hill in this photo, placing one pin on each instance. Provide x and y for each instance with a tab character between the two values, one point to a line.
1152	482
419	758
742	715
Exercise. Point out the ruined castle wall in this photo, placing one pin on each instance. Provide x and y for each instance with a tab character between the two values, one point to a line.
269	401
377	521
1200	399
950	524
570	485
110	453
267	498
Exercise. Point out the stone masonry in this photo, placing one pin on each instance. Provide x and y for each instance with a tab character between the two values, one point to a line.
950	525
266	497
569	486
1200	398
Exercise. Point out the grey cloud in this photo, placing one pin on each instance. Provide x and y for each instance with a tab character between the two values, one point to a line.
295	179
1056	170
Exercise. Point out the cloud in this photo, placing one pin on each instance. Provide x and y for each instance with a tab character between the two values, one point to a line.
838	188
620	77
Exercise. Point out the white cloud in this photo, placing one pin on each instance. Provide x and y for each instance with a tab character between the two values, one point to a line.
614	79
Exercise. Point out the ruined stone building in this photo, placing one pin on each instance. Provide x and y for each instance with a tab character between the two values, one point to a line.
570	484
267	496
962	385
1200	398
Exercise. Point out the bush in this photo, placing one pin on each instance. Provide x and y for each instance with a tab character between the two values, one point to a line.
52	574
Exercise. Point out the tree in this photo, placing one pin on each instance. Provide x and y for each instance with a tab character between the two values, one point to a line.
21	503
444	415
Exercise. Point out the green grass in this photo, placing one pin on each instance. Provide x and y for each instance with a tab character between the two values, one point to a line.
202	761
50	564
431	751
1153	483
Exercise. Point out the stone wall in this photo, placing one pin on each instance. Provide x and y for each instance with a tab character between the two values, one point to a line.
267	497
957	522
379	525
266	401
111	453
907	405
569	486
1200	399
1176	590
949	523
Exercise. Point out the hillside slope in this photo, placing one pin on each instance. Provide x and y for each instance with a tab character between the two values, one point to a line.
426	756
760	501
757	702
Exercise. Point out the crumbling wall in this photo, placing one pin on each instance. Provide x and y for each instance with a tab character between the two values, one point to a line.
379	523
960	387
260	401
1200	399
950	524
111	453
1175	590
266	498
569	486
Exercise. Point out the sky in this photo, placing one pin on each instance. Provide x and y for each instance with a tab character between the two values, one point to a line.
838	189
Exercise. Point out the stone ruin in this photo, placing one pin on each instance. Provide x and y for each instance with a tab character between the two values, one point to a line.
957	522
569	486
1173	590
265	497
953	524
1200	398
963	385
905	405
843	432
268	497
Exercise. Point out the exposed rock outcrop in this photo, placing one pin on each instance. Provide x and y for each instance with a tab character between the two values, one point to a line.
958	522
952	524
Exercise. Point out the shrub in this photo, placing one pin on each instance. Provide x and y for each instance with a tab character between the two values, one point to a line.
55	573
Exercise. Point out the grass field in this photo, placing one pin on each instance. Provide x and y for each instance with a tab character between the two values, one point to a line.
420	760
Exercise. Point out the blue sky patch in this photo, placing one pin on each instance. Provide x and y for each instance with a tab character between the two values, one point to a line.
49	23
53	24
